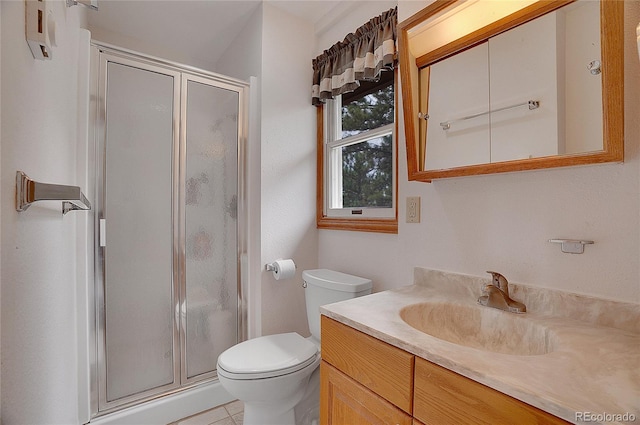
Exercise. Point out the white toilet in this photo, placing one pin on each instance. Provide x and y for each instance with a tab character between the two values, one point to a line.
277	376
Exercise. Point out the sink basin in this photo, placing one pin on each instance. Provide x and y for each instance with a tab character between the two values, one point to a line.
480	327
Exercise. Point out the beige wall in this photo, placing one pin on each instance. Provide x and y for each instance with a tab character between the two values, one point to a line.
469	225
39	135
243	60
1	190
502	222
288	167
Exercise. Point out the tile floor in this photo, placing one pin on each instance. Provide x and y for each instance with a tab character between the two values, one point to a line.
229	414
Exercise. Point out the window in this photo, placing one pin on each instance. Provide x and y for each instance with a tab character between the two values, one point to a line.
357	159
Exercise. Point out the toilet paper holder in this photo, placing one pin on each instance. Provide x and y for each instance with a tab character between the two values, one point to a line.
271	267
282	269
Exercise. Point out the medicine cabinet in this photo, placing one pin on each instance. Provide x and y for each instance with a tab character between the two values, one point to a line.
492	87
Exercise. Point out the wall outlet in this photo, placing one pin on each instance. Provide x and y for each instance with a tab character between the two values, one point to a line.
413	209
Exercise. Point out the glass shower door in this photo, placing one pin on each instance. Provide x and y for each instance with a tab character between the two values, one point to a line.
141	342
210	134
170	213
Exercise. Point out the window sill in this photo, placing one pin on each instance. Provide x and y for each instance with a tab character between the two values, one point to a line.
359	225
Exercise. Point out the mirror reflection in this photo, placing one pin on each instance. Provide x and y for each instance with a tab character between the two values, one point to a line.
533	91
487	90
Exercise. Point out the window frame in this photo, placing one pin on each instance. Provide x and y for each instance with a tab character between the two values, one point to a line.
341	219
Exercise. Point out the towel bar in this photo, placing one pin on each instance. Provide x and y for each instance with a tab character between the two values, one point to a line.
531	104
29	191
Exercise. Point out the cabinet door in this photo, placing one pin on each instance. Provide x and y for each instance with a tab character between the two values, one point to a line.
382	368
443	397
344	401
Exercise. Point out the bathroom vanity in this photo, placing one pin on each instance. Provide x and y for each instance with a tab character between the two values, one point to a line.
568	359
357	367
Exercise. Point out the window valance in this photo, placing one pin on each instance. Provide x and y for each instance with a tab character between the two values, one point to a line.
360	56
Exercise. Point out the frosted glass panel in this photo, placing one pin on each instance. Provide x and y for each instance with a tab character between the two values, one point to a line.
211	216
138	255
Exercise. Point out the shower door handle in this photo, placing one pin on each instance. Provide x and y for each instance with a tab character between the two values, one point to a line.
103	232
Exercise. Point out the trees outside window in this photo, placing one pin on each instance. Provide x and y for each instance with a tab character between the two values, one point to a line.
359	154
367	166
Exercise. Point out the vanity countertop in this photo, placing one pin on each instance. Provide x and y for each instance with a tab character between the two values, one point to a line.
592	375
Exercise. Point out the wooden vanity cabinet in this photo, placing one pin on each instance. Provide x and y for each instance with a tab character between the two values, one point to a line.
344	401
366	381
443	397
362	379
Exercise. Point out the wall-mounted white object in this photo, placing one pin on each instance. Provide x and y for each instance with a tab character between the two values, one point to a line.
282	269
29	191
413	209
595	67
40	29
571	246
91	4
638	35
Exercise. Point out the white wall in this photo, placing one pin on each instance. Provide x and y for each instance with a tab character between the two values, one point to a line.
243	60
283	223
288	149
288	166
1	192
39	335
502	222
157	49
468	225
188	32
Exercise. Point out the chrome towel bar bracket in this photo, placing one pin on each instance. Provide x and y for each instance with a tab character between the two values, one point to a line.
572	246
29	191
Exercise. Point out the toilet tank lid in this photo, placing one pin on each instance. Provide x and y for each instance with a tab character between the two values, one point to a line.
336	281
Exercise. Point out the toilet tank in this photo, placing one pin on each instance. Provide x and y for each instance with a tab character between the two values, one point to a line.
323	286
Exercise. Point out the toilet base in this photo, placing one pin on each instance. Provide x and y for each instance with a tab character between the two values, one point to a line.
308	409
305	412
256	414
273	401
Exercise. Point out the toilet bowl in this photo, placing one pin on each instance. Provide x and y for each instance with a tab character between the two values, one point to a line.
277	376
270	375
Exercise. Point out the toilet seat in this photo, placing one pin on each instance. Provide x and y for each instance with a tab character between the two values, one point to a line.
267	357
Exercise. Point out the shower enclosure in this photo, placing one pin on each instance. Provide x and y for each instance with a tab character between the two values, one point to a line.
169	226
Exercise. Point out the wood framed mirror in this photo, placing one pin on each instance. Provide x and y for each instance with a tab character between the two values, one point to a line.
458	132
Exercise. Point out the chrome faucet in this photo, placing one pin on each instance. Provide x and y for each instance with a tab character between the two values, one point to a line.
496	295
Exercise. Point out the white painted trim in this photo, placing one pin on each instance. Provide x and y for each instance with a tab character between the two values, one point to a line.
333	164
254	263
170	408
85	160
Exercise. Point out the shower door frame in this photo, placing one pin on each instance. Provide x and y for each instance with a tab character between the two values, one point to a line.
101	55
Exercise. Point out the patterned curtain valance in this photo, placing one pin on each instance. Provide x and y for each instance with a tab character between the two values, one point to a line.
360	56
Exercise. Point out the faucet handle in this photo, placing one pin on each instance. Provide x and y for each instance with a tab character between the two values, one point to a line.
499	281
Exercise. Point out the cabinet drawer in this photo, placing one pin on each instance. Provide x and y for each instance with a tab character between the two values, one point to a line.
344	401
384	369
443	397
